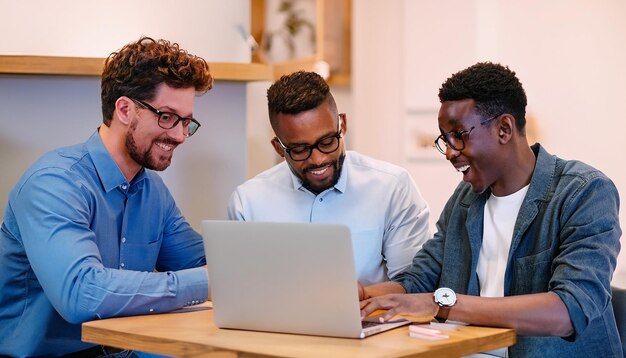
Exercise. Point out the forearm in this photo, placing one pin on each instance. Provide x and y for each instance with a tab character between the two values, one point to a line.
383	288
103	293
534	314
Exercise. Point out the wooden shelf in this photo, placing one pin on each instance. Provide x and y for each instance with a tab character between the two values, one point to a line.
91	66
308	64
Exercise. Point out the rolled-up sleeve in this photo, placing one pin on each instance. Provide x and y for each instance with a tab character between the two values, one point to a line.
589	247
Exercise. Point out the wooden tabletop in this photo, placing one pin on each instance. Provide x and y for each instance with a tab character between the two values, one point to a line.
193	334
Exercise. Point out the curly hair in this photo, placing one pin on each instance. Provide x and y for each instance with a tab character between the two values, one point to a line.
138	68
493	87
297	92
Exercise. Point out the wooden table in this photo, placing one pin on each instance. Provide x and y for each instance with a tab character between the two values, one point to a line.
193	334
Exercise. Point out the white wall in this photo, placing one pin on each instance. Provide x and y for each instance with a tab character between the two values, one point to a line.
569	55
39	113
208	28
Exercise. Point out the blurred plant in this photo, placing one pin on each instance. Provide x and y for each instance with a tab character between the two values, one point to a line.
294	24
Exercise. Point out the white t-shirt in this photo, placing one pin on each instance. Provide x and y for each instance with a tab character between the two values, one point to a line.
500	214
498	223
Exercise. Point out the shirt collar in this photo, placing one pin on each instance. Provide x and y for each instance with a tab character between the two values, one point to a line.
109	173
540	182
342	183
543	175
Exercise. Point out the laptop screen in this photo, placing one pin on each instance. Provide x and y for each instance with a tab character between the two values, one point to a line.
283	277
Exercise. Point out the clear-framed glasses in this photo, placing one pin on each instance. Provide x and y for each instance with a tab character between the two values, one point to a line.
169	120
325	145
456	139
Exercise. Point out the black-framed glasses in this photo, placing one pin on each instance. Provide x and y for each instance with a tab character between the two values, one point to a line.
169	120
456	139
325	145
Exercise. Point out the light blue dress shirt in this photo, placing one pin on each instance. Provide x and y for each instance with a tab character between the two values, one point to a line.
79	242
378	201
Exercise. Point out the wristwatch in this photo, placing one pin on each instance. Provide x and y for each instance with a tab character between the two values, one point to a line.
445	298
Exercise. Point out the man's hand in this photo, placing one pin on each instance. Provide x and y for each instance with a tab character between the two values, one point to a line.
362	294
419	304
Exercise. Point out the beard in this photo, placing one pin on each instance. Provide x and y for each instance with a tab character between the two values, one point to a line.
336	164
146	158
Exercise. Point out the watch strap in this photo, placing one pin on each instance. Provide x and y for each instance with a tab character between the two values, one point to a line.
442	314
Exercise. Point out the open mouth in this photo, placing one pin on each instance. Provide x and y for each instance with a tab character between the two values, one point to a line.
463	168
319	171
165	147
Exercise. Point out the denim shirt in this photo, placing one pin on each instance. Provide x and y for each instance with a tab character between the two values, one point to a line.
565	240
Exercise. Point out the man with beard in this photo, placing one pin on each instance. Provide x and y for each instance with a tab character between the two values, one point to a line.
320	182
527	240
91	231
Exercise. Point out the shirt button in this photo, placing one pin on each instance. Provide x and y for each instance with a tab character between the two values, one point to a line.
123	240
321	199
122	264
151	309
124	186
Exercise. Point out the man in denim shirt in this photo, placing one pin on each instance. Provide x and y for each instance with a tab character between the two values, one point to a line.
527	240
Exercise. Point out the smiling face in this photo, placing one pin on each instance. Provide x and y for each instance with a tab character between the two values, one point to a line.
320	171
479	160
148	144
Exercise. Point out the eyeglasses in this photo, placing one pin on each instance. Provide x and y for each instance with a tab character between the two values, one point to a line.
169	120
325	145
456	139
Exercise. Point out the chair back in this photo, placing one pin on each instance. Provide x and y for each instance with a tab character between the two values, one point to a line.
619	307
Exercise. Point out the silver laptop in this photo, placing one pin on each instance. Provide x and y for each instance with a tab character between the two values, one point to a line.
285	277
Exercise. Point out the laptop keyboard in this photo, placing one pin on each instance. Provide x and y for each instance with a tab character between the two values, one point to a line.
366	324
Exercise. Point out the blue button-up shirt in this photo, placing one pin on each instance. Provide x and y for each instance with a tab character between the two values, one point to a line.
79	242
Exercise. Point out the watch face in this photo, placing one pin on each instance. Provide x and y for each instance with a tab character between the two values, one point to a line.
445	296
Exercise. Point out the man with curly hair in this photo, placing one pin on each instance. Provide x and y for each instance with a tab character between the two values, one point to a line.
321	182
527	241
91	231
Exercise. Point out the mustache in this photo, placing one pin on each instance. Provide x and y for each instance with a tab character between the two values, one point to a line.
315	167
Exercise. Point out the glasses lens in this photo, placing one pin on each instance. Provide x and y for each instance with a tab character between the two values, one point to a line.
192	128
441	145
328	145
450	140
325	145
300	153
455	140
168	120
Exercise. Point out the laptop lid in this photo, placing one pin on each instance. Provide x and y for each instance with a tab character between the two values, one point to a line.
283	277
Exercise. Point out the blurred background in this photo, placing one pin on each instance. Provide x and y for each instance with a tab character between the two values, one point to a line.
386	61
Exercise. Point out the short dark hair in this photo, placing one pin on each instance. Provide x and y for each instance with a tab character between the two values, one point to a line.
139	67
494	88
297	92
